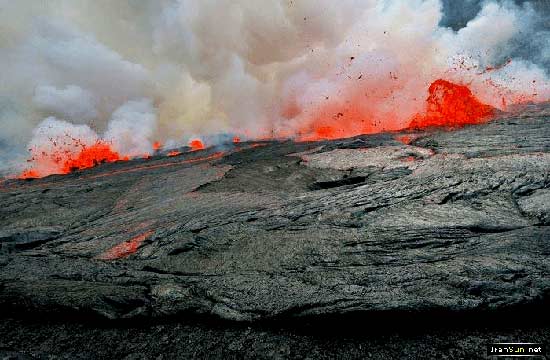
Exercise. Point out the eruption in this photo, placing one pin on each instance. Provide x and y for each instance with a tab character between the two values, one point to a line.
90	157
157	146
66	161
451	105
304	70
196	144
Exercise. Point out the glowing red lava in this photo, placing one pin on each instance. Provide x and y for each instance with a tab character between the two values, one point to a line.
91	156
29	174
236	140
174	153
157	145
451	105
447	105
66	161
196	144
405	139
336	121
126	248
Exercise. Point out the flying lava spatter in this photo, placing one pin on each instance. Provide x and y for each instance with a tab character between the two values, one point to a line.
451	105
447	105
87	157
91	156
196	144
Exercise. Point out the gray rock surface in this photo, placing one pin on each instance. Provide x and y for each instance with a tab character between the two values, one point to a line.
455	221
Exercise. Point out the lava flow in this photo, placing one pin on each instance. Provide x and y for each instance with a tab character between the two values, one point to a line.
66	161
196	144
91	156
448	105
126	248
157	145
451	105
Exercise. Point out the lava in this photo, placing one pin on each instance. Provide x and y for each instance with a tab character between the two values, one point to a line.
174	153
157	145
126	248
91	156
451	105
336	121
66	161
196	144
30	174
447	105
405	139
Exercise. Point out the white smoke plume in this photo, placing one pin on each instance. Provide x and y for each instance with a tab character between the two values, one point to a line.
139	71
131	128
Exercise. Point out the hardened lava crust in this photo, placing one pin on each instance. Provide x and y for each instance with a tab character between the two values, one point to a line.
383	230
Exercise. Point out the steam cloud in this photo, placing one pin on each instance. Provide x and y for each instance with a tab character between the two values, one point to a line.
133	72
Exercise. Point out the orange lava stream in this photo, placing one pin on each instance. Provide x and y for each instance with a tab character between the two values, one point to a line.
214	156
126	248
174	153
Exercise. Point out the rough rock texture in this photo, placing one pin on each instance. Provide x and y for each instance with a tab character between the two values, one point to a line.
452	222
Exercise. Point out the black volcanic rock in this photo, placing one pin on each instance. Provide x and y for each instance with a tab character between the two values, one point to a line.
454	222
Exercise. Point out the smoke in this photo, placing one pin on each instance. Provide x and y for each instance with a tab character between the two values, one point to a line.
131	73
72	102
131	128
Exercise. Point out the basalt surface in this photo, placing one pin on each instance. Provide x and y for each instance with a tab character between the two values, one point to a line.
434	221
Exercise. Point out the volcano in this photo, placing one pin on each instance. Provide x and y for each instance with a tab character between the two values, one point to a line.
371	241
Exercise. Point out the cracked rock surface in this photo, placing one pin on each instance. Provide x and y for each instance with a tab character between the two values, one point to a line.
447	221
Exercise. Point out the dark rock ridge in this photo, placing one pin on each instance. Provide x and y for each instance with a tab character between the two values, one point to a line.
455	221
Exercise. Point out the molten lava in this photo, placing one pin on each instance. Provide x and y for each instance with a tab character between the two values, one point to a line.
157	145
66	161
447	105
405	139
126	248
174	153
91	156
196	144
451	105
337	121
29	174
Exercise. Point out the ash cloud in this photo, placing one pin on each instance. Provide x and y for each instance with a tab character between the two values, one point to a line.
134	72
